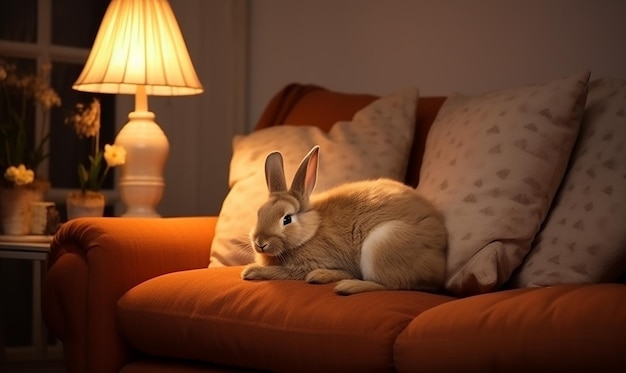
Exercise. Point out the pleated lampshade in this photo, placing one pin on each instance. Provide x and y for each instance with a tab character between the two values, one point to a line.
139	43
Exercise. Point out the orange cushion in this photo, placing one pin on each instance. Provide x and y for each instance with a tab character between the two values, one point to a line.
213	315
565	328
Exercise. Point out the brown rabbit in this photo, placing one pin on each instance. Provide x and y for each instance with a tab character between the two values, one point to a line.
368	235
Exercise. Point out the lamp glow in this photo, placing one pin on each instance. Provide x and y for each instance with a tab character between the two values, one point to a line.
140	50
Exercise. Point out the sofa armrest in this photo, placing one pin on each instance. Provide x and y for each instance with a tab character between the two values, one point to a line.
94	261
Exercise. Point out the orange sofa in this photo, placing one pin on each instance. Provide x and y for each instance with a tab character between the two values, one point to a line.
135	295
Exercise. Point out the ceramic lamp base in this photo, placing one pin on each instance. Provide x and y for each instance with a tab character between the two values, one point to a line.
141	182
141	196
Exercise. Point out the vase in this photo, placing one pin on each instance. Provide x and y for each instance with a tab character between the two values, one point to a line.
87	204
15	206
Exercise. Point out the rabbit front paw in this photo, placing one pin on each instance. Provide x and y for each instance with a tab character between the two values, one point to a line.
253	272
259	272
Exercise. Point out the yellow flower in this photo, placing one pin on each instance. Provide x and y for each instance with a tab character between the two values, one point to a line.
114	155
86	120
19	175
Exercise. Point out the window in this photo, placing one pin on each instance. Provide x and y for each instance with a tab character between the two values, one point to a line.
59	32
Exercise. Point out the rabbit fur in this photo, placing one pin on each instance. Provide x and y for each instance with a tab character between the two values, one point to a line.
367	235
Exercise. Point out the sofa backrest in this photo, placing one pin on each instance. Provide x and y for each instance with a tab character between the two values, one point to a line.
305	104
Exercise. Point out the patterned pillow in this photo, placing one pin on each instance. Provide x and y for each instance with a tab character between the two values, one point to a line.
376	143
584	238
492	164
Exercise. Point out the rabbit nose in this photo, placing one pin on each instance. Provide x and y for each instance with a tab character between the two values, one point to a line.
260	247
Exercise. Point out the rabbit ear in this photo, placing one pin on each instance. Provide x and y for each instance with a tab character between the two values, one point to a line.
306	176
275	173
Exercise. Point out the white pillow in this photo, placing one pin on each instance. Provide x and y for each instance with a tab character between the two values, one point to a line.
376	143
584	238
492	165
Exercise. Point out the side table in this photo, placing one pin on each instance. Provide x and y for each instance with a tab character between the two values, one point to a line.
35	249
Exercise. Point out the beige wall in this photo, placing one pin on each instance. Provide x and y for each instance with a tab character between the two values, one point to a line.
439	46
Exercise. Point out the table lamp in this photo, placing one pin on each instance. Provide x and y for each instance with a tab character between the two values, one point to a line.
140	50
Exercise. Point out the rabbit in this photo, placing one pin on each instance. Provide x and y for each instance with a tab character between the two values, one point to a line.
370	235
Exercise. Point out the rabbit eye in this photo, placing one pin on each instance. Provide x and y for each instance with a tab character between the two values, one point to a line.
287	219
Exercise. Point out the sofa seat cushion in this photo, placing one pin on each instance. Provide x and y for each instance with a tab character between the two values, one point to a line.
282	326
563	328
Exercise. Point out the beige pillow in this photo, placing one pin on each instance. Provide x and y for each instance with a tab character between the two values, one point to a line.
584	238
376	143
492	164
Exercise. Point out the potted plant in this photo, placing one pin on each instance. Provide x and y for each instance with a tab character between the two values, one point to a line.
89	201
20	97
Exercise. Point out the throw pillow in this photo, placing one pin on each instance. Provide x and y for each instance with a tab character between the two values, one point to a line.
492	165
376	143
584	238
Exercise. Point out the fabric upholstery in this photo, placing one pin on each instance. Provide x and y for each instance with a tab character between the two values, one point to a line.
213	315
569	328
375	143
311	105
584	238
492	165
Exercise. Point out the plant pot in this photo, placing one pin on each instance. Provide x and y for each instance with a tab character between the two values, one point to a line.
88	204
15	210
